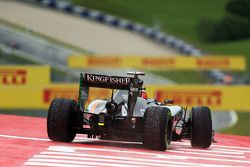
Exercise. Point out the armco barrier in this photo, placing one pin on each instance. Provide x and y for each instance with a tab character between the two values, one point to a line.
216	97
237	63
24	75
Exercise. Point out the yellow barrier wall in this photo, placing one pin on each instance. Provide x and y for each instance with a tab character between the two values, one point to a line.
237	63
216	97
39	97
24	75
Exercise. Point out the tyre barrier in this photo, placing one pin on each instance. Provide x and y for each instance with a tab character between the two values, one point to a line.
161	37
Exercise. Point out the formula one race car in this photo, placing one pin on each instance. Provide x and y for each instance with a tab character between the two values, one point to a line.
129	115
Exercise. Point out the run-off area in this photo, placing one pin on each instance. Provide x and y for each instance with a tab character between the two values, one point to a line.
24	142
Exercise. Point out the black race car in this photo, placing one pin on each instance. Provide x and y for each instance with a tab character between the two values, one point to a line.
128	115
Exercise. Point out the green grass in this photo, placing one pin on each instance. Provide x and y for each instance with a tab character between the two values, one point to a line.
25	112
184	77
241	127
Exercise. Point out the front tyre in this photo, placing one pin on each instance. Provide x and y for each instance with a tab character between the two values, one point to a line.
61	120
201	129
157	128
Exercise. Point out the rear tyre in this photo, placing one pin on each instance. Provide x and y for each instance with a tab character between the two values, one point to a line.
157	133
201	129
61	120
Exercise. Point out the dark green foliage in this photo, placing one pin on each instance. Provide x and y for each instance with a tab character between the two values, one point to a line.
232	27
239	7
206	29
235	25
229	28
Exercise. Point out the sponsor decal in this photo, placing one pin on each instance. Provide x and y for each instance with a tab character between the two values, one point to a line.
103	61
158	62
50	93
206	62
92	78
189	98
13	77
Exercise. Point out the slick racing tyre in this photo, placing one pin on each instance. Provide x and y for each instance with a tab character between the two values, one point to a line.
61	120
201	129
157	133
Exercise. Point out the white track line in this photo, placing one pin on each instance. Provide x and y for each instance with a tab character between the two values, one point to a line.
88	162
205	154
96	156
129	161
72	149
49	164
222	160
53	164
147	159
232	147
25	138
185	143
219	151
227	150
58	148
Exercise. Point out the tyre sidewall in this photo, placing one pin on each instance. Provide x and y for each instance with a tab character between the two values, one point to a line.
156	122
201	129
61	120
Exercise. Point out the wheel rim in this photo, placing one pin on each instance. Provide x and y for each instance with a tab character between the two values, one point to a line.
167	134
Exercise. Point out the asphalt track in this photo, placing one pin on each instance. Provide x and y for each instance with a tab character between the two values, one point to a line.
24	142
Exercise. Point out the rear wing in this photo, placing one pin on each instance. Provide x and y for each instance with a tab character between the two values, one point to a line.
104	81
133	85
100	81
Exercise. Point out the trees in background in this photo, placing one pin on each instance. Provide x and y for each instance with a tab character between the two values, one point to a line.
234	25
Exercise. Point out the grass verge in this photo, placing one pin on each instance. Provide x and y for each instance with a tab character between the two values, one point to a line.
241	127
25	112
184	77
